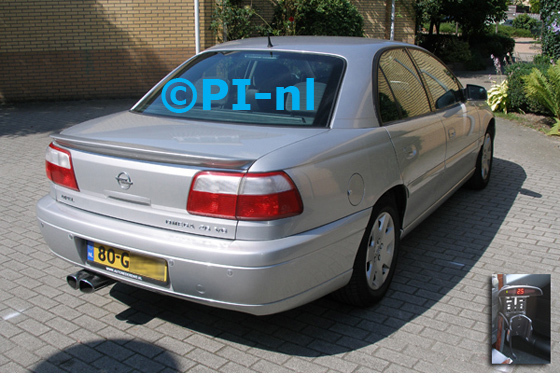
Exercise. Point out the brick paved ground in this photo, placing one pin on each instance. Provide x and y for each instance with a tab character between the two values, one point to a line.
435	317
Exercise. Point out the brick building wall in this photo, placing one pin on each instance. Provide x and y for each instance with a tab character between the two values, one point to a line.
377	19
68	49
64	49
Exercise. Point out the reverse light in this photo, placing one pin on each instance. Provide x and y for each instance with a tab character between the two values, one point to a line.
58	163
231	195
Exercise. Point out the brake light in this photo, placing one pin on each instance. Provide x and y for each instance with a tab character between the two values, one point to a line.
58	163
229	195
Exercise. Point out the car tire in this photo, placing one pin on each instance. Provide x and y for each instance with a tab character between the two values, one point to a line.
484	161
376	259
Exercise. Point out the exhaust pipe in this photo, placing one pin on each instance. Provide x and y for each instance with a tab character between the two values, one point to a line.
88	282
93	283
74	279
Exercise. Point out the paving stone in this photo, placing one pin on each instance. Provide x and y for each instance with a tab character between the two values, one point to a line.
108	364
12	367
239	357
34	327
174	345
232	367
89	323
114	350
206	358
8	330
22	356
204	342
28	342
175	362
302	365
57	339
143	364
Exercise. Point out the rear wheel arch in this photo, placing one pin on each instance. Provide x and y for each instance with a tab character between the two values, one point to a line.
399	195
483	167
376	258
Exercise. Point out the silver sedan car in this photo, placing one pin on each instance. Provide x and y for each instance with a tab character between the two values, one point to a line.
263	174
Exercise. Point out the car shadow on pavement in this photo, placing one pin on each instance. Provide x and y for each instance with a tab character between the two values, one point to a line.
434	267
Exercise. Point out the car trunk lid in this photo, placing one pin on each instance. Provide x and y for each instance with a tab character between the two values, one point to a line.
139	168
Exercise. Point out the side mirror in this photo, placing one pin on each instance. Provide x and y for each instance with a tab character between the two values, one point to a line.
476	93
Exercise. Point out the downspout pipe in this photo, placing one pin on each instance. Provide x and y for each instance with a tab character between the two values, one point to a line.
392	37
197	26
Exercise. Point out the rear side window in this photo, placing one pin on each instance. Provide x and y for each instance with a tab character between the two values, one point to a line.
442	84
251	87
400	89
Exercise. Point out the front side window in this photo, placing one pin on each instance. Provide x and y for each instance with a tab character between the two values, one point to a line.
400	89
250	87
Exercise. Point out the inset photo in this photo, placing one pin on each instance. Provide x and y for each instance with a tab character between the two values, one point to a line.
520	319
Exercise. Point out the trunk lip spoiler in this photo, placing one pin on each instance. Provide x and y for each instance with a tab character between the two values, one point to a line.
148	153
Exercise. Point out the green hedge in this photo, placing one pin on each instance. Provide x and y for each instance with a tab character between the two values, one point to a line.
514	32
493	44
518	99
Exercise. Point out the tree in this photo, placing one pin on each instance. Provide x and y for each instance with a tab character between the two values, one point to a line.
535	6
432	11
472	15
523	21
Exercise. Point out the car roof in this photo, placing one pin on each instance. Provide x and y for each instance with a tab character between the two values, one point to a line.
347	47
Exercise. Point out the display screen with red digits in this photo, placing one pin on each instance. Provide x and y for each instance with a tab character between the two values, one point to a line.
520	291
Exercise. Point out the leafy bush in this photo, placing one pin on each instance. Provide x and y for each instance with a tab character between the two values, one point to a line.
545	88
523	21
447	28
542	59
232	21
498	97
477	62
317	17
518	98
550	14
505	30
514	32
448	48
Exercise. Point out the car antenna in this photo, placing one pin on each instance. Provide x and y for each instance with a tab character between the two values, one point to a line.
269	42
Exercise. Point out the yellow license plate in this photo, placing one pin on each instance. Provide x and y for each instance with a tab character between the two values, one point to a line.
128	264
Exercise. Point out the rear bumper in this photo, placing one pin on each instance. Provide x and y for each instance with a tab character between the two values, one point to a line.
258	277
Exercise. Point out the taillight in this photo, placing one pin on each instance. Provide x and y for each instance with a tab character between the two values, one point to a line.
231	195
58	163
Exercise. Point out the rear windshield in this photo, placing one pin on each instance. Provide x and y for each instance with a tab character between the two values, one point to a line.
250	87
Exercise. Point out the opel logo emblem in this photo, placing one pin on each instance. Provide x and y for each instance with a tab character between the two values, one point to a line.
124	180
